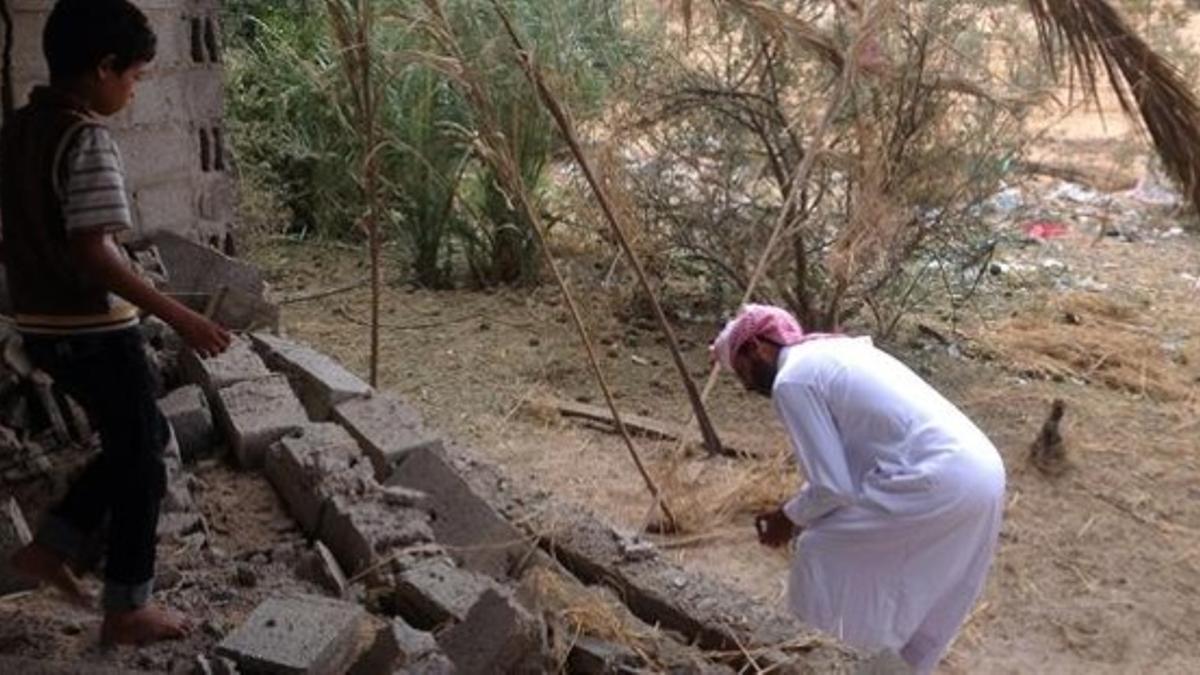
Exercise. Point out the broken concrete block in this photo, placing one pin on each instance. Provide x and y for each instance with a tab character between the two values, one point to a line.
589	656
483	540
257	413
187	410
196	268
296	634
14	534
437	591
359	529
321	382
396	645
386	428
321	568
309	468
239	363
242	311
497	636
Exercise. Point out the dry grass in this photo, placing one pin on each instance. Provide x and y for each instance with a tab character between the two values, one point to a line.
1096	340
584	610
707	497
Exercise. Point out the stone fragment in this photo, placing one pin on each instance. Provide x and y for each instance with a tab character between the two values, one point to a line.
396	645
436	591
14	534
321	382
195	268
187	410
486	542
294	634
496	636
589	656
386	428
255	414
320	567
360	529
307	469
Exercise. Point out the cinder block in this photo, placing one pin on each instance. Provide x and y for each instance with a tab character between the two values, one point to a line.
321	382
157	154
396	645
187	410
387	429
496	636
297	634
165	206
436	591
196	268
237	364
481	538
256	413
14	533
205	93
309	468
360	529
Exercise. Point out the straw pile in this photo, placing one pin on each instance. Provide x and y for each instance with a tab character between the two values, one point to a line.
1093	339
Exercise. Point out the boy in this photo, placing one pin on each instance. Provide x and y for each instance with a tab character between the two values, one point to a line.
75	296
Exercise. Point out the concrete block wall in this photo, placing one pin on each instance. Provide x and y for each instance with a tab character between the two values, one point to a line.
172	136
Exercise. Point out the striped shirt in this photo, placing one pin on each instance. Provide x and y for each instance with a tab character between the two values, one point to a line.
91	185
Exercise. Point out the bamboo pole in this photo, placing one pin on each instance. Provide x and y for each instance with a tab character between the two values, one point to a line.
499	155
556	110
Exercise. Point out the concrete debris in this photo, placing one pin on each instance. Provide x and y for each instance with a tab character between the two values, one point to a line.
309	468
482	539
321	382
296	634
14	533
196	268
320	567
255	414
386	428
497	636
589	656
237	364
360	529
634	548
397	645
187	410
436	591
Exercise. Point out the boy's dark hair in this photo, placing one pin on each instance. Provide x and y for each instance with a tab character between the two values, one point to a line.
80	33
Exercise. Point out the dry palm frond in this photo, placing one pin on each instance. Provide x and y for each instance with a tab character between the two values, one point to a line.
1094	36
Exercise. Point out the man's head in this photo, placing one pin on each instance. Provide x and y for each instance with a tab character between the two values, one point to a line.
749	345
98	49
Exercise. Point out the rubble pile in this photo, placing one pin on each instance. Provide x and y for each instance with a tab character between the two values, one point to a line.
406	553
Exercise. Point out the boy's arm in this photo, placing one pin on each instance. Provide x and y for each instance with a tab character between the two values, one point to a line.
93	252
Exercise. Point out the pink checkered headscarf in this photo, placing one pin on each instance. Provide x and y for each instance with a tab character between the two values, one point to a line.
765	321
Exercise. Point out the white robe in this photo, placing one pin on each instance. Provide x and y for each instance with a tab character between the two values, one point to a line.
903	502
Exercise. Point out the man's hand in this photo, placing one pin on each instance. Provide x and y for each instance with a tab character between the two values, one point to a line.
204	336
775	529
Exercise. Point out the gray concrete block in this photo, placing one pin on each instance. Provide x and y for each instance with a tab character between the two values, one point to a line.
321	382
187	410
320	567
309	468
360	529
386	428
497	636
237	364
481	538
436	591
196	268
14	533
257	413
397	645
294	634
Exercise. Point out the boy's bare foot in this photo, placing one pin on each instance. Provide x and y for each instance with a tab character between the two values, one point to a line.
37	561
143	625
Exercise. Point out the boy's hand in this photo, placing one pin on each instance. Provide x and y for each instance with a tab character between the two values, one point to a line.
774	528
204	336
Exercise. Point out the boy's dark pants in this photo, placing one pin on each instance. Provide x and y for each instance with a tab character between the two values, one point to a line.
107	373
